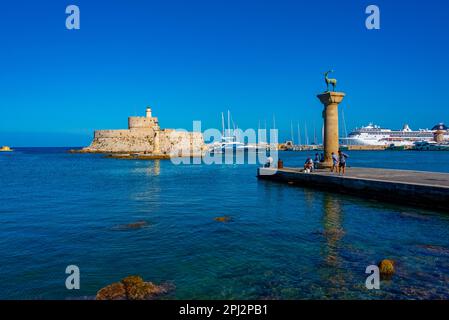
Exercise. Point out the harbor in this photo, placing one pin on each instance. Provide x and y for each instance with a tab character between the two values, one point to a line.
215	151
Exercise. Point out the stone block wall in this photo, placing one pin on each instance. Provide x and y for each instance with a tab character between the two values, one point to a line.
122	141
143	123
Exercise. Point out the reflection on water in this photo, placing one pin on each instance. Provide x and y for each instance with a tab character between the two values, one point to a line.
156	167
152	167
333	233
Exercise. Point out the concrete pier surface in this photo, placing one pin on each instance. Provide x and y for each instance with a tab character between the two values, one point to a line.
406	187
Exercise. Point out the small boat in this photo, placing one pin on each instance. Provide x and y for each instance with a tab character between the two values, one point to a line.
430	146
394	147
5	149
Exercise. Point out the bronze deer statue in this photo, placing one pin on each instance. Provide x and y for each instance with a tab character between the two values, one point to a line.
333	82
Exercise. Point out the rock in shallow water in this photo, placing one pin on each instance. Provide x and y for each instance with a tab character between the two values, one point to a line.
115	291
132	288
386	268
223	219
131	226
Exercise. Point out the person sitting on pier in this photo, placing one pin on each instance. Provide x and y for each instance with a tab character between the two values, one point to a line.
334	162
269	162
342	162
308	165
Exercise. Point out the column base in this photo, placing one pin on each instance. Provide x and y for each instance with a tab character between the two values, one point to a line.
324	165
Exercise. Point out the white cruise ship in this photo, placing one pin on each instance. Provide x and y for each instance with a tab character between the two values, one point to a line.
373	135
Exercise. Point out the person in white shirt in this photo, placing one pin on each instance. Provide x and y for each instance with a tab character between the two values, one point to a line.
334	162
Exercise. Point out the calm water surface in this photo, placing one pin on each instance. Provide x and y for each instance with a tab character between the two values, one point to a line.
284	242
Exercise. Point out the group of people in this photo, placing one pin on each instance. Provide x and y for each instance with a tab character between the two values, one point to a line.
310	165
338	162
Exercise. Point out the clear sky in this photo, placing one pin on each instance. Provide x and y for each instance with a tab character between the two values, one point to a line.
190	60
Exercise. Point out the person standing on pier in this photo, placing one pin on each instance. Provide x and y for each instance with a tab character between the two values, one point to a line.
334	162
342	162
316	161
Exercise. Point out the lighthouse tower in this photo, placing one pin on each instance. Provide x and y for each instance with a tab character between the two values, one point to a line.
148	113
146	122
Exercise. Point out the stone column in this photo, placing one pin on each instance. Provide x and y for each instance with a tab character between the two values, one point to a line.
330	100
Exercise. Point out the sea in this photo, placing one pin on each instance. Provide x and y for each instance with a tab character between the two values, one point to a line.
281	241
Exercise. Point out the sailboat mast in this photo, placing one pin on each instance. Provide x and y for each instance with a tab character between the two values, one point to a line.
229	123
306	135
322	134
291	131
299	135
344	122
222	124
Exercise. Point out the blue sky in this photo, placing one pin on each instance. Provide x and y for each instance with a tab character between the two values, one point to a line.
190	60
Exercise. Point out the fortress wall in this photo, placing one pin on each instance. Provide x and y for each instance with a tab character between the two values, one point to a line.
98	134
181	142
142	122
143	140
122	141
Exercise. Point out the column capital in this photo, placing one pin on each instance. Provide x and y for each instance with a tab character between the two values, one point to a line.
331	97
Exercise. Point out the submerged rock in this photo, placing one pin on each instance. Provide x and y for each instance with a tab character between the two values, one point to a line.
132	288
131	226
436	249
223	219
414	215
115	291
386	268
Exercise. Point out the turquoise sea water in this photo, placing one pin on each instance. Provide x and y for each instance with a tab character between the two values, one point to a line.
284	242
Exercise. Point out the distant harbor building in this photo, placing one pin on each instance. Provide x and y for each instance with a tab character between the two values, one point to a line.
144	135
439	132
373	135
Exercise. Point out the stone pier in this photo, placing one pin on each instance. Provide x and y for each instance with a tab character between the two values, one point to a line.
411	188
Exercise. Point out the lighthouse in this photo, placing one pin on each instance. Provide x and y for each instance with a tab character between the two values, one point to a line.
148	113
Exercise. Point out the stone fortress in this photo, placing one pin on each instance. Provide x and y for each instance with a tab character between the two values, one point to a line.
145	136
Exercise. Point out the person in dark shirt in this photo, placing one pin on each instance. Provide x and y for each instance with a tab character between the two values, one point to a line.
316	161
322	157
342	162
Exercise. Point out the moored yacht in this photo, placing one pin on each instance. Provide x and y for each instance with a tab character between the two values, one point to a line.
229	141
